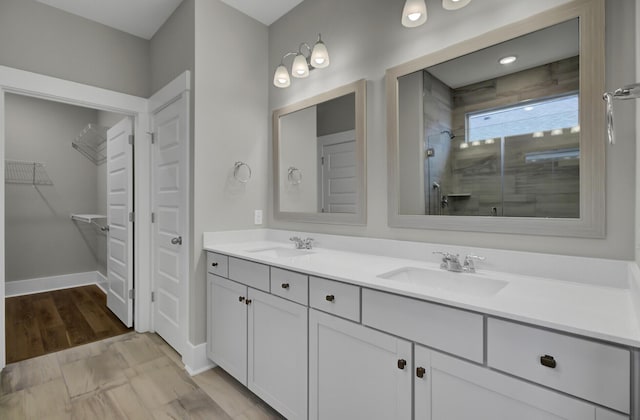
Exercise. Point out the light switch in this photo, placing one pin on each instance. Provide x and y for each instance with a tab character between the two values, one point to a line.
257	217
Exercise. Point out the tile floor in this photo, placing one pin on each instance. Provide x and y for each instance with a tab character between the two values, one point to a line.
132	376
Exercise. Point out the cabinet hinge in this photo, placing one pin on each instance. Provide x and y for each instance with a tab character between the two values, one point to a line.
131	138
131	294
153	296
132	216
153	217
153	137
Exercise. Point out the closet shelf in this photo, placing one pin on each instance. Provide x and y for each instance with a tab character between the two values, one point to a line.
23	172
92	143
91	219
87	218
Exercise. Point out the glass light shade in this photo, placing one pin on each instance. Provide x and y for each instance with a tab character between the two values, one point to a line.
320	55
538	134
464	146
454	4
281	77
557	132
300	68
414	13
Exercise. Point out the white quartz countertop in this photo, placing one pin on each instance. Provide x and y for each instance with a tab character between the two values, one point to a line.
589	309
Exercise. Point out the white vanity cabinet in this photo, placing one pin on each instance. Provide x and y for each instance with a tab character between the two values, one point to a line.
356	372
447	388
258	338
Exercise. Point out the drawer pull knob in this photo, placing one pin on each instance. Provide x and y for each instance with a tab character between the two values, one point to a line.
214	264
285	285
240	298
420	371
330	298
248	301
548	361
402	363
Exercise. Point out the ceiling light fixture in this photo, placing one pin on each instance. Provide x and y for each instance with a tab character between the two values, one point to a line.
454	4
575	129
508	60
538	134
315	58
489	141
557	132
414	13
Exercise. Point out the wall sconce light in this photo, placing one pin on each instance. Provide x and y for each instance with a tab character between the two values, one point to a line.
315	58
414	12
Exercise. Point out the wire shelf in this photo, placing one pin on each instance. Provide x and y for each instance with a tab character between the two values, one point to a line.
92	143
21	172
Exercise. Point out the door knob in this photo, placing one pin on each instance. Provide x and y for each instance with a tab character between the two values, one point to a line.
177	241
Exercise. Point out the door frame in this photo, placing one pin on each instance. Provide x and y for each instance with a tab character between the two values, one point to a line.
178	89
58	90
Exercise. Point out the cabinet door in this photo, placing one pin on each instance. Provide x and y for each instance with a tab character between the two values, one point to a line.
452	389
356	372
228	327
278	353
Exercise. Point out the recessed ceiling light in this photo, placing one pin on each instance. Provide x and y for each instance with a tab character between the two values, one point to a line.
489	141
538	134
508	60
475	143
556	132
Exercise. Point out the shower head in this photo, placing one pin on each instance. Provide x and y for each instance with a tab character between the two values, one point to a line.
451	135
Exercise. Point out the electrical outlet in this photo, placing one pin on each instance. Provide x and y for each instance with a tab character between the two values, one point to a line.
257	217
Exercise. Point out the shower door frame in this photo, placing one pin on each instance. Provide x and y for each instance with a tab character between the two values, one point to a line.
35	85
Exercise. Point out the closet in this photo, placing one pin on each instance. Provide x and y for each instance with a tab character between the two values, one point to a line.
56	226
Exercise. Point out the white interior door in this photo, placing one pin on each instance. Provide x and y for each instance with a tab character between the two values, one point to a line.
338	187
170	229
119	206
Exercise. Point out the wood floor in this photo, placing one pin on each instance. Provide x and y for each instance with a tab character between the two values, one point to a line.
47	322
131	376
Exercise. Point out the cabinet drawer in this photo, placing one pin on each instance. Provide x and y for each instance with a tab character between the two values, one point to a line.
448	329
217	264
590	370
290	285
337	298
252	274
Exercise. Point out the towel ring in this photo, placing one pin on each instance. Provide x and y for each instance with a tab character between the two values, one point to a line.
241	175
294	175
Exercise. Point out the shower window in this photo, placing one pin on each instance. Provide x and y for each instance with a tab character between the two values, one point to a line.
529	154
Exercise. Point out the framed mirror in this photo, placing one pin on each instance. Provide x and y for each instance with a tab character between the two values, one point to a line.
319	158
505	132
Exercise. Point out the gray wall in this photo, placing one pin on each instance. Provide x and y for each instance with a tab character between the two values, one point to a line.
45	40
41	239
231	113
365	44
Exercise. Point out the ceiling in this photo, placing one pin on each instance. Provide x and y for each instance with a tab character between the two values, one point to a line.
143	18
265	11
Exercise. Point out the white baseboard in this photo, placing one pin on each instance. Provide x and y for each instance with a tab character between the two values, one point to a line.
46	284
195	359
101	282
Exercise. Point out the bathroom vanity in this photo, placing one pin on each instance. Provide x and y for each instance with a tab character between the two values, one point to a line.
329	333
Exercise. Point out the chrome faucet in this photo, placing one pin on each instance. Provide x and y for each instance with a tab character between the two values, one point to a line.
302	243
450	262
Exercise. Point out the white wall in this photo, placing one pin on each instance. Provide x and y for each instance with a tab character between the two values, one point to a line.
299	149
365	37
231	113
41	239
42	39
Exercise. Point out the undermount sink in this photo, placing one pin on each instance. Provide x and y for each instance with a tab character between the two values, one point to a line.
462	283
281	252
